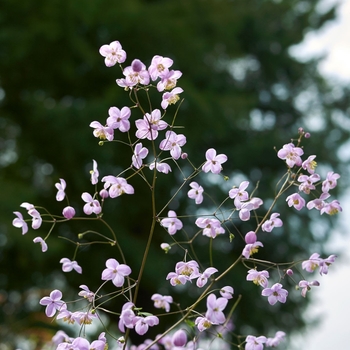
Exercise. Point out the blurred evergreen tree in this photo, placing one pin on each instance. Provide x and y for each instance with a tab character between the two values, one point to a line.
244	95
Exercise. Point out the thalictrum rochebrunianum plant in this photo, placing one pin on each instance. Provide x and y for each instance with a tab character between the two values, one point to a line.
156	148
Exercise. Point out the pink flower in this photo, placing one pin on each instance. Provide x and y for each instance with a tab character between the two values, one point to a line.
149	126
113	53
309	164
168	80
330	182
119	119
239	194
42	243
161	167
20	223
61	186
127	316
255	343
258	277
68	212
172	223
170	98
159	65
296	201
162	301
215	306
306	286
86	293
273	222
143	323
92	205
189	269
94	173
307	182
214	161
117	186
102	132
179	338
134	74
173	143
273	342
252	245
36	218
227	292
139	154
115	272
211	227
196	192
69	265
311	264
331	208
291	154
202	323
318	203
177	278
203	278
53	303
275	293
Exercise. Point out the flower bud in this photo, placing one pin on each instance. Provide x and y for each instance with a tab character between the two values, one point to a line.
104	193
165	246
290	272
179	338
307	135
68	212
184	155
136	65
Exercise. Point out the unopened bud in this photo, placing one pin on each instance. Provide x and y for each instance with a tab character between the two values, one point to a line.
184	155
307	135
290	272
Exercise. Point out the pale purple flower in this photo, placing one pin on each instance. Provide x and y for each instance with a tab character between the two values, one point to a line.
42	243
159	65
171	97
117	186
92	205
324	263
113	53
211	227
27	206
139	154
331	208
134	74
173	143
86	293
165	246
252	245
149	126
53	303
296	201
246	207
177	278
69	265
162	301
255	343
258	277
239	194
291	154
127	316
307	182
189	269
66	316
60	337
202	323
214	161
309	164
273	222
306	286
20	223
311	264
203	278
168	80
143	323
68	212
273	342
161	167
215	306
196	192
172	223
102	132
227	292
119	118
275	293
84	318
115	272
330	182
61	186
36	218
318	203
103	194
94	173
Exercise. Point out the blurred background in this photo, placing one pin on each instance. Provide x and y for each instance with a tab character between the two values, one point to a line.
248	88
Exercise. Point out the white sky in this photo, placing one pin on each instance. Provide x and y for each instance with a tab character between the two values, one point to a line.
331	301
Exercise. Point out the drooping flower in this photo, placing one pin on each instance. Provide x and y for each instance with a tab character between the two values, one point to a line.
296	201
330	182
203	278
19	222
102	132
276	340
94	173
252	245
42	243
331	208
168	80
202	323
143	323
117	186
307	182
211	227
61	186
227	292
309	164
306	286
255	343
69	265
162	301
161	167
214	161
258	277
86	293
273	222
113	53
36	218
275	293
171	97
115	272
